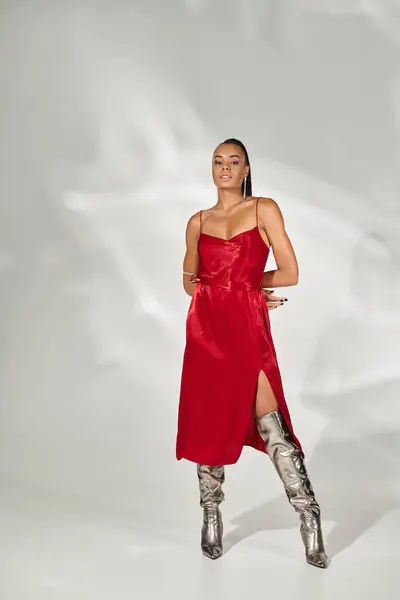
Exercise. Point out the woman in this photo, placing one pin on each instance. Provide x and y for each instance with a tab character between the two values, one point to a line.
231	389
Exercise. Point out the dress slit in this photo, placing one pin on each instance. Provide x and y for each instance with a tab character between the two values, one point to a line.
269	366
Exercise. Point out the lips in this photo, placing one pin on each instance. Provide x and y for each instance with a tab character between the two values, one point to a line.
226	177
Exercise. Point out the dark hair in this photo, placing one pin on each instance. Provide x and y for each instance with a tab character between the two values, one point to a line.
249	188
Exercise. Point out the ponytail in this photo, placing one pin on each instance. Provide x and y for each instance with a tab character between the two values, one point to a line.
249	188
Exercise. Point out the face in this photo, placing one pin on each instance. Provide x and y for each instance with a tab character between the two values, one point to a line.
229	168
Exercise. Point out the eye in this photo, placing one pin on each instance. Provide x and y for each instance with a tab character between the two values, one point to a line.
218	162
235	162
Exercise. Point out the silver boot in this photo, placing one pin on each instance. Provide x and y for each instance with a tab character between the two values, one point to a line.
211	496
288	462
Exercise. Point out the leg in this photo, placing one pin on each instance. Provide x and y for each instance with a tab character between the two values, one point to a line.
265	401
211	496
289	464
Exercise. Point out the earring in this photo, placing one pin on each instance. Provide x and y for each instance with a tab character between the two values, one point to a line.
244	189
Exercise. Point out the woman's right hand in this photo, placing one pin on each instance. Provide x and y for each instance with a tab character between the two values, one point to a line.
273	301
195	278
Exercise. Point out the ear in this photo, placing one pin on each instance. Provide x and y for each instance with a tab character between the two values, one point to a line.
246	171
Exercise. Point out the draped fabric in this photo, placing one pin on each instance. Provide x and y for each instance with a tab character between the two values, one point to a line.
228	343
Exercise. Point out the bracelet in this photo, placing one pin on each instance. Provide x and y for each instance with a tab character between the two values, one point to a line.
186	273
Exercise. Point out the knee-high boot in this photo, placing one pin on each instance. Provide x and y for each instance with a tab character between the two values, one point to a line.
288	462
211	496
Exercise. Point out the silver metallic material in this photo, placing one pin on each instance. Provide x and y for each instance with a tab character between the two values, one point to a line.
211	496
244	190
288	462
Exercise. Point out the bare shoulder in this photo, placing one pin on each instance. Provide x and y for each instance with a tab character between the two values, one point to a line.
268	204
194	221
193	229
269	209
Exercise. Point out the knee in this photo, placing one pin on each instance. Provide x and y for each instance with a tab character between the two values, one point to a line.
261	411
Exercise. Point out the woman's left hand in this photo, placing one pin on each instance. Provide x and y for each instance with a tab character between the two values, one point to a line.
273	301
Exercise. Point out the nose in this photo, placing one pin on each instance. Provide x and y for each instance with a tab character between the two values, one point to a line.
226	167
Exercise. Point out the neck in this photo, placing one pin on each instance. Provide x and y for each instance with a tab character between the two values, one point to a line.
229	198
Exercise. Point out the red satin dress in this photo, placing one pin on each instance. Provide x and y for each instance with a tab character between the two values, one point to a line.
228	343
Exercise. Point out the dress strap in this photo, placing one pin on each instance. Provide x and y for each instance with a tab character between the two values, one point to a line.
257	210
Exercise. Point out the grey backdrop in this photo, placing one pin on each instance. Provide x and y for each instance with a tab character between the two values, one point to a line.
110	112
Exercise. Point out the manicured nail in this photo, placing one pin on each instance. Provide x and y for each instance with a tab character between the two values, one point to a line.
285	299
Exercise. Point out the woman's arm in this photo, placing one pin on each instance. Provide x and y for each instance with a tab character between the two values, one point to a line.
287	271
191	260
